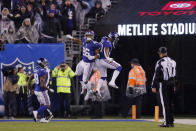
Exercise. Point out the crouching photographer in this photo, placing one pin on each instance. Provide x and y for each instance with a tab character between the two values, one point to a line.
9	89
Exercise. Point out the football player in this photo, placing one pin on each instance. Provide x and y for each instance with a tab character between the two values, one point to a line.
41	90
104	62
90	53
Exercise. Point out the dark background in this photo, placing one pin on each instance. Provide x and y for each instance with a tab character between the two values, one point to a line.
180	48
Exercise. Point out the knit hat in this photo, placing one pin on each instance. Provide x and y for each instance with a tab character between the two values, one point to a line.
162	50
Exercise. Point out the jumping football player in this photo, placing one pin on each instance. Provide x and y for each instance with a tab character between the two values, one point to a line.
90	53
105	62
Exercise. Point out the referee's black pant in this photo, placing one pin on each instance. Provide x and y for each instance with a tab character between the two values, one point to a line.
166	93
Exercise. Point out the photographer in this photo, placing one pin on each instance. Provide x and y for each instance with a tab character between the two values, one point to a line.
63	74
9	89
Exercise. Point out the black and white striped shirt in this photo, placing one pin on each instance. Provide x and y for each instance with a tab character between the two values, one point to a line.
165	69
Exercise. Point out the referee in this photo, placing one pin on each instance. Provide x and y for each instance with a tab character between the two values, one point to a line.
164	82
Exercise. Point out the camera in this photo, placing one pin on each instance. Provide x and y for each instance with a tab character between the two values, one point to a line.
8	71
62	65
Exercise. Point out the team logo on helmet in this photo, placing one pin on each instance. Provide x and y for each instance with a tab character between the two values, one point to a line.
89	35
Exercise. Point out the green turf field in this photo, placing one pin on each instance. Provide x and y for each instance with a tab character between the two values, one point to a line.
90	126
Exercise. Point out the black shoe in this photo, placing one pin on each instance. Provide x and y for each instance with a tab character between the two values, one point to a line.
171	125
163	125
49	117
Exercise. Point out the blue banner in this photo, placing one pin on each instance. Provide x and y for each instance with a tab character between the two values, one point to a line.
27	55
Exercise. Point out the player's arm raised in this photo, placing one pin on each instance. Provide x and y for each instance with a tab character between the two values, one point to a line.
75	40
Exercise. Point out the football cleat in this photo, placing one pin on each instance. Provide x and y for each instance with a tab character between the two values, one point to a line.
43	120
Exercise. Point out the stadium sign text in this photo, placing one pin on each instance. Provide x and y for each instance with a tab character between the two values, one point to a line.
166	13
157	29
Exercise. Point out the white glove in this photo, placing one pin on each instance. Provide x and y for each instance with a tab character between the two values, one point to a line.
91	57
110	59
51	90
69	36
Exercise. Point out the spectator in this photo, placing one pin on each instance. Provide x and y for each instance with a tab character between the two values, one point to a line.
82	8
38	23
106	4
68	21
9	90
56	11
27	32
19	17
21	93
30	11
63	74
52	2
51	29
5	21
44	4
33	4
16	7
9	36
15	4
97	11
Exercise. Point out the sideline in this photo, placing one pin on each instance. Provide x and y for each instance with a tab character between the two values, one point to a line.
80	120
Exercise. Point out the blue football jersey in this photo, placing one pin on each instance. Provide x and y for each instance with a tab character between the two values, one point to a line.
39	72
89	49
103	44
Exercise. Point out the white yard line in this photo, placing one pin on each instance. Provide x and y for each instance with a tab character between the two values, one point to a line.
180	121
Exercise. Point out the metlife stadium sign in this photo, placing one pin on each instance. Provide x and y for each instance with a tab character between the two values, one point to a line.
157	29
176	10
